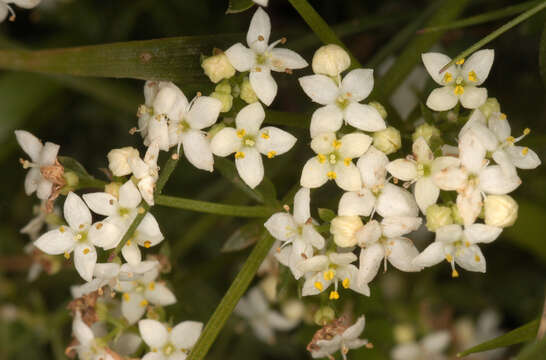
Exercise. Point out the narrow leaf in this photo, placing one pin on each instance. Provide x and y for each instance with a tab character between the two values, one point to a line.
524	333
237	6
243	237
533	351
227	169
71	164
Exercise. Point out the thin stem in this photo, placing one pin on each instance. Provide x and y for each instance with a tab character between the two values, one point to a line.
495	34
320	27
231	298
214	208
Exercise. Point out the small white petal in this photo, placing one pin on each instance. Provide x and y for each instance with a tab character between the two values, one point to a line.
321	89
314	264
324	143
241	57
153	333
225	142
436	342
364	117
450	178
129	196
272	139
263	85
499	125
30	144
494	181
326	119
342	258
354	145
370	260
250	167
369	234
395	226
480	63
282	59
347	176
434	62
473	97
101	203
104	234
314	173
356	329
426	193
309	287
372	167
250	118
55	242
85	258
402	169
401	252
76	213
158	132
469	204
32	179
528	161
185	334
449	233
356	203
432	255
442	99
281	226
82	332
302	199
197	150
481	233
396	201
204	112
358	84
106	270
279	322
132	307
259	30
470	258
131	253
45	187
422	151
311	236
49	154
160	295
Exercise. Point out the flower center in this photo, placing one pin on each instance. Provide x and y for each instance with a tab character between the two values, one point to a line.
123	212
168	349
423	170
182	126
342	101
261	59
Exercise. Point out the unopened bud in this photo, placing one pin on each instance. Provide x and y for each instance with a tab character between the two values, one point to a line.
269	288
225	99
293	309
438	216
218	67
427	132
223	87
72	179
324	315
330	60
491	106
455	214
101	310
380	108
118	160
247	92
404	333
112	189
387	140
344	229
500	210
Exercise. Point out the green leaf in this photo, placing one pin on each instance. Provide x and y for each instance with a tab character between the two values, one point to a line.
525	233
542	56
237	6
524	333
326	215
174	59
533	351
227	169
243	237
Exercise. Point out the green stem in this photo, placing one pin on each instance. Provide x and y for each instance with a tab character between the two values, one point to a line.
483	18
214	208
495	34
231	298
320	27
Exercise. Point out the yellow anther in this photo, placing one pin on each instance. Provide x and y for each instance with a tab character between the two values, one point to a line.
328	275
81	226
239	155
472	76
503	116
336	144
241	133
66	255
318	285
98	226
62	229
261	38
467	243
477	258
459	90
126	297
334	295
331	175
86	251
510	139
460	61
169	329
265	135
249	142
128	243
147	244
271	154
151	286
454	273
448	78
143	303
449	258
347	161
141	210
526	131
346	283
321	158
524	151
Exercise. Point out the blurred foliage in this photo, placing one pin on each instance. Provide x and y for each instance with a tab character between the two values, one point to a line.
90	116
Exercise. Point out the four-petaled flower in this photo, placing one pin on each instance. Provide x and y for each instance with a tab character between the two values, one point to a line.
87	347
168	343
344	339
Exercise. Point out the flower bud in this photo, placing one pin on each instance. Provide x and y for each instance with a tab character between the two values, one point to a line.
112	189
330	60
71	178
404	333
344	229
500	210
457	218
225	99
491	106
293	309
215	129
218	67
118	160
427	132
223	87
101	309
247	92
380	108
438	216
387	140
269	288
324	315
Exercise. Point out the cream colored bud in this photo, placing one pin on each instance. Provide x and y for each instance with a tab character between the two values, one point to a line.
225	99
380	108
404	333
344	229
293	309
491	106
427	132
438	216
218	67
247	92
324	315
387	140
112	189
500	210
118	160
223	87
269	288
330	60
457	218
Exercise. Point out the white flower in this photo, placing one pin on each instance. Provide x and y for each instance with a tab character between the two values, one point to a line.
382	241
334	160
35	225
41	156
79	236
140	292
118	160
342	102
264	321
343	342
87	348
121	214
420	169
260	58
297	231
376	195
146	172
330	60
248	141
186	124
323	270
166	343
5	8
459	81
431	347
474	177
459	246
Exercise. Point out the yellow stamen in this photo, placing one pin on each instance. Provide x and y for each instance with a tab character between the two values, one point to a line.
503	116
334	295
271	154
524	151
346	283
460	61
151	286
98	226
126	297
477	258
449	258
239	155
321	158
459	90
128	243
526	131
467	243
147	244
472	76
336	144
169	329
454	273
328	275
510	139
331	175
347	161
448	78
241	133
81	226
265	135
143	303
86	251
318	285
66	255
62	229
